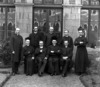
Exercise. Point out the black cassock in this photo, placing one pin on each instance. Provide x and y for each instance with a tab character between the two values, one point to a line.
40	54
65	63
70	45
28	53
53	59
16	46
81	58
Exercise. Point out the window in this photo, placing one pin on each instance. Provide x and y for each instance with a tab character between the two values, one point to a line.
94	2
85	2
90	15
7	19
7	1
71	1
50	2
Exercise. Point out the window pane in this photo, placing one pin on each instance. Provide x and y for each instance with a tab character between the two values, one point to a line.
71	1
48	1
11	1
44	18
55	19
94	23
84	21
38	1
94	2
11	21
2	23
85	2
57	1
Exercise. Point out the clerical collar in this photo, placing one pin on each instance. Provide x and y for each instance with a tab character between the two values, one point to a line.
54	45
66	36
35	32
17	34
41	46
66	46
80	36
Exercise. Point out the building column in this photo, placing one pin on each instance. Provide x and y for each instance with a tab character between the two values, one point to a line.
23	16
71	16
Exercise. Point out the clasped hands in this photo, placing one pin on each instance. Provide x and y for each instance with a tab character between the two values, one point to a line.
66	57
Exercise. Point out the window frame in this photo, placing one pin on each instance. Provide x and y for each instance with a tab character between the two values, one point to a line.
90	8
6	6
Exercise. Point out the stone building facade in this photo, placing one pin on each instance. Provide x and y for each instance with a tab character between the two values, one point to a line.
69	14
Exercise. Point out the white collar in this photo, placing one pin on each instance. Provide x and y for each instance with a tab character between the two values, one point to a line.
41	47
66	46
35	32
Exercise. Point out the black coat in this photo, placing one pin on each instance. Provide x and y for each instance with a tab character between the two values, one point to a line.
34	39
49	38
56	49
28	51
66	52
39	54
70	41
81	59
16	45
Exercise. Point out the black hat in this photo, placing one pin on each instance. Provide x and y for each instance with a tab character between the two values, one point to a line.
27	39
54	38
80	29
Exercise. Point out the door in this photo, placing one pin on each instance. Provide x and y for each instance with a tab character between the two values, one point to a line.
45	18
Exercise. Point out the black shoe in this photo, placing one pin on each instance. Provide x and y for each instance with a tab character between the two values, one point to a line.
64	75
51	74
78	73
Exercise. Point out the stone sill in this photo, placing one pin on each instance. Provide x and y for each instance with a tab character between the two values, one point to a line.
24	4
71	5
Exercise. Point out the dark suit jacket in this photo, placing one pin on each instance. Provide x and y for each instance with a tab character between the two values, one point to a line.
16	45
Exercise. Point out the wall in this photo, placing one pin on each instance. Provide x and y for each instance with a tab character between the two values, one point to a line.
71	16
23	16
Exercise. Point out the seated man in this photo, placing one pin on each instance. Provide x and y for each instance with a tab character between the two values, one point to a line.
40	54
28	53
66	57
53	57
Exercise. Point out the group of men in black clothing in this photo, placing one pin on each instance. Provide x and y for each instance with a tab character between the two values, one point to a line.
47	52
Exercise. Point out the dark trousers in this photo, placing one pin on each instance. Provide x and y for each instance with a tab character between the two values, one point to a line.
41	65
15	66
25	63
65	64
53	65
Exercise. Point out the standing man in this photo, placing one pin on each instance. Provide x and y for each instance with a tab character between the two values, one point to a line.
68	38
34	38
81	59
50	35
16	47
